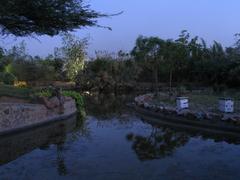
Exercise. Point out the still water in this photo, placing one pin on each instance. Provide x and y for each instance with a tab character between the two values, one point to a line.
115	143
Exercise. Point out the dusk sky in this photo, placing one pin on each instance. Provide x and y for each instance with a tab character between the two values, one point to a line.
211	19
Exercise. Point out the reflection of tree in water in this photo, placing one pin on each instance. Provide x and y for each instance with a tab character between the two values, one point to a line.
61	167
160	143
106	106
61	134
80	130
220	138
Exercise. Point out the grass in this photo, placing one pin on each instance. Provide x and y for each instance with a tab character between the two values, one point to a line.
8	90
203	101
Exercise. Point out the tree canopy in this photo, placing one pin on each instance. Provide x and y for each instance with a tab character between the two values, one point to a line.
39	17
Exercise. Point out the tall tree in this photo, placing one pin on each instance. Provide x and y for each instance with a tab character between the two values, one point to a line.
217	51
74	54
51	17
149	50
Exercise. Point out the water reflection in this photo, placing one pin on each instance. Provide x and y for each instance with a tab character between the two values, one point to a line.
19	144
114	143
107	106
159	143
162	141
197	133
61	167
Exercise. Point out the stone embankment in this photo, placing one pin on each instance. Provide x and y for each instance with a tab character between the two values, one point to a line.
17	116
146	102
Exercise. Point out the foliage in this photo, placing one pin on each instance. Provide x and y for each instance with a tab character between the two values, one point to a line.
107	71
28	68
185	60
43	93
1	77
7	90
51	17
76	96
8	78
190	60
149	52
74	52
73	94
65	64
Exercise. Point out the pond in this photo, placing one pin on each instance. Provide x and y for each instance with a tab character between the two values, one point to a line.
115	143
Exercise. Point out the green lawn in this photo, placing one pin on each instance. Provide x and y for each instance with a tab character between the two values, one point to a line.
205	101
7	90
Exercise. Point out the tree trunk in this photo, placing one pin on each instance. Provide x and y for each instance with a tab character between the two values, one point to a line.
156	80
170	82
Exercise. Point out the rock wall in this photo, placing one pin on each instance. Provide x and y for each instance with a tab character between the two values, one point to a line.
19	115
146	101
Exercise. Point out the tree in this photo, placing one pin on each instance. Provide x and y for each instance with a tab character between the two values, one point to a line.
170	59
150	52
174	53
74	51
51	17
233	53
217	51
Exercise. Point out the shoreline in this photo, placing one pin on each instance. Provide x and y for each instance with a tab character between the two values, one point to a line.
18	117
219	123
183	123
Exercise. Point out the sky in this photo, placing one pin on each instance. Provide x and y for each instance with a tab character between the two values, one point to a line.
210	19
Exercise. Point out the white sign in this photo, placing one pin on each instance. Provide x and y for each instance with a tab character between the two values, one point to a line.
226	105
182	103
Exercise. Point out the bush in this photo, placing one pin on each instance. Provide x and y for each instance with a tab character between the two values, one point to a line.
20	84
218	88
11	91
1	76
76	96
181	90
73	94
9	78
44	93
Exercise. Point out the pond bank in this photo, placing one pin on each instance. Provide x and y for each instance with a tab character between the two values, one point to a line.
228	124
16	117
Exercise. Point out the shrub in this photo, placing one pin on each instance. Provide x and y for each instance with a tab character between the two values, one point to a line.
1	76
20	84
44	93
76	96
9	78
11	91
218	88
181	90
73	94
